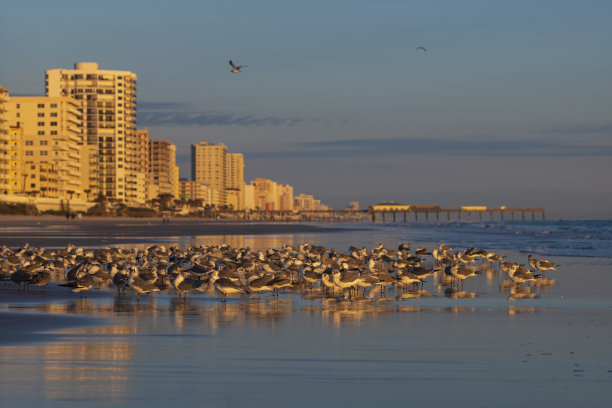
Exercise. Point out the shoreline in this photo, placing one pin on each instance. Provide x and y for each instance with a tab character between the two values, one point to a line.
56	231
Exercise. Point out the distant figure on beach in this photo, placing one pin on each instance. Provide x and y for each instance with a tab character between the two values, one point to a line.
79	216
67	216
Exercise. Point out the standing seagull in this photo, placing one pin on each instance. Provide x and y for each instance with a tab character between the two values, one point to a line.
236	68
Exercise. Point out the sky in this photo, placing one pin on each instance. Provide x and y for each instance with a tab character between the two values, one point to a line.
510	104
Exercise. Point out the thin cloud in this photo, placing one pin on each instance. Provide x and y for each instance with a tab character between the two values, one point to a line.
451	147
582	129
178	114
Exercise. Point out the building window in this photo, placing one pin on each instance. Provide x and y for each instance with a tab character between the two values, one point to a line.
54	105
41	105
41	132
41	123
53	123
54	114
41	114
43	153
54	132
43	142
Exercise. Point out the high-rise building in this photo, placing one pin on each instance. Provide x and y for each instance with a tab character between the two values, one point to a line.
192	190
51	135
210	165
109	114
4	142
12	167
141	163
268	195
163	169
234	188
307	202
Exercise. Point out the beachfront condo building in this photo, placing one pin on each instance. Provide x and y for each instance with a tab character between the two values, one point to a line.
47	139
164	177
141	162
268	195
307	202
192	190
221	171
109	122
234	189
10	162
4	141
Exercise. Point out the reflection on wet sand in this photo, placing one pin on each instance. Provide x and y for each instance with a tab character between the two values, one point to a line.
236	241
74	370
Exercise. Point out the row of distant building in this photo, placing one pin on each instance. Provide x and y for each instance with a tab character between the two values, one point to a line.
80	142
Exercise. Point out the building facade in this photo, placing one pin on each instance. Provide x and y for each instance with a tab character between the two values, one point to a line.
163	171
221	171
192	190
4	141
268	195
51	133
234	189
307	202
109	122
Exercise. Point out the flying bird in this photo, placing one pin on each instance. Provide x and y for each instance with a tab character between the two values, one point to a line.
420	48
236	68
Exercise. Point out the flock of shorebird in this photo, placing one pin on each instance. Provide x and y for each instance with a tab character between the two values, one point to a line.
245	271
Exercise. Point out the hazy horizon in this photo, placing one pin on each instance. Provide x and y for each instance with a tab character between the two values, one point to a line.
509	104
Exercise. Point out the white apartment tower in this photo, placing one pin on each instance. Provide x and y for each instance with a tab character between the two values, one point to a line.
109	120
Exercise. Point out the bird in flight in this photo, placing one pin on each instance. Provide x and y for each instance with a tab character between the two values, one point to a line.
420	48
236	68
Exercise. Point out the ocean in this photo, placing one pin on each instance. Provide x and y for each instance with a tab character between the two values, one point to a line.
487	345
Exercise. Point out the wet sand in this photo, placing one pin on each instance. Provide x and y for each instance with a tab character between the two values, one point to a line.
55	231
58	349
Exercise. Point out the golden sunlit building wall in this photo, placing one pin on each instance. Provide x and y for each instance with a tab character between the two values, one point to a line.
307	202
109	120
163	169
192	190
141	158
15	164
221	171
4	141
234	189
268	195
209	166
51	141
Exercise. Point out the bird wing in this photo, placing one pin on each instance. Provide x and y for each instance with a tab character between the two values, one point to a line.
232	64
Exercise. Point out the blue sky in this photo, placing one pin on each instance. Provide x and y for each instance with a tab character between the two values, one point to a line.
510	105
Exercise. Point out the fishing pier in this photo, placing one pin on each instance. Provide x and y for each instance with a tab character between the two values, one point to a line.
398	211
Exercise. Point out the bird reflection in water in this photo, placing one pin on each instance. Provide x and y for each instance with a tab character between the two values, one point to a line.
455	293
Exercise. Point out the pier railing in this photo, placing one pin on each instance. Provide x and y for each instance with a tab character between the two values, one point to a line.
500	213
386	215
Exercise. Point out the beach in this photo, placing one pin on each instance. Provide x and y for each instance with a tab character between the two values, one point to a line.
489	348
